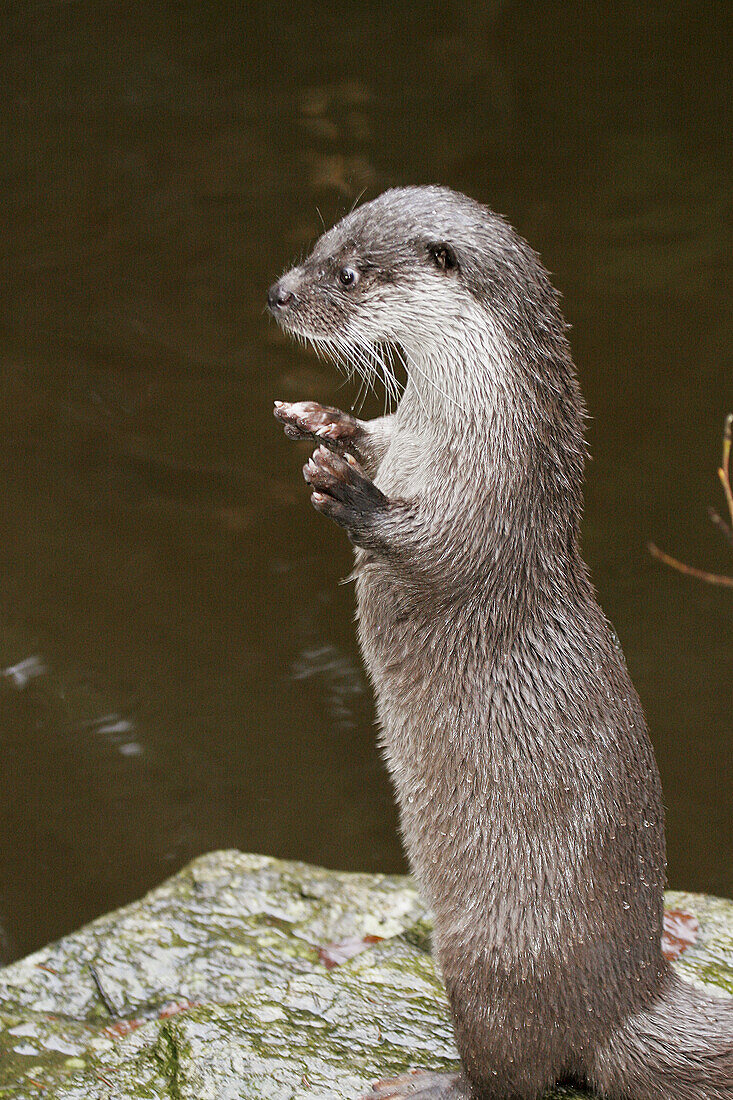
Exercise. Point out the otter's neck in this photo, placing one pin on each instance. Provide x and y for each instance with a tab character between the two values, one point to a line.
506	413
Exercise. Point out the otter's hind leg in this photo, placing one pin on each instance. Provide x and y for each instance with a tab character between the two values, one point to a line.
426	1085
421	1085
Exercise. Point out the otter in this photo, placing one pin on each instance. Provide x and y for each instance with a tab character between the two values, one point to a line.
529	796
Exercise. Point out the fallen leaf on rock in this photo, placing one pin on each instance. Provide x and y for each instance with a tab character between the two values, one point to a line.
176	1007
333	954
121	1028
680	932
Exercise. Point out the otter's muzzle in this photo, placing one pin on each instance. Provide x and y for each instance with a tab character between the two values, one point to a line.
281	295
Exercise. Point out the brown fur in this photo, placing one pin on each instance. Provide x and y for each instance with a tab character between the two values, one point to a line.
529	796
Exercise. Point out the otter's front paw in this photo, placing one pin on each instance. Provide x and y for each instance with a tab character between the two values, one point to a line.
342	491
309	420
421	1085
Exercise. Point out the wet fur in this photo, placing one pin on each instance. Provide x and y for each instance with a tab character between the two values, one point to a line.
529	796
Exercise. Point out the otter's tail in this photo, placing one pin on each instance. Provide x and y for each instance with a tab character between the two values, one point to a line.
680	1048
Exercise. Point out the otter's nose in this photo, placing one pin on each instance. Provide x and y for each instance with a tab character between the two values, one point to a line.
279	297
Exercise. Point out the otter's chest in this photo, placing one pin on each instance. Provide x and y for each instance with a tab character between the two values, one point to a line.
394	617
409	642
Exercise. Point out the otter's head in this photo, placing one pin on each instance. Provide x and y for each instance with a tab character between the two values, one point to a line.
433	273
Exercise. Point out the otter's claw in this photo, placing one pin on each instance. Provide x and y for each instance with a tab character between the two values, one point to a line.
309	420
342	491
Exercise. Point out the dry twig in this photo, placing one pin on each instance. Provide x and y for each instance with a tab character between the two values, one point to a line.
725	528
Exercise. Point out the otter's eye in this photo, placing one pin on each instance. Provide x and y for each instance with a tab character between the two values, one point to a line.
443	256
348	276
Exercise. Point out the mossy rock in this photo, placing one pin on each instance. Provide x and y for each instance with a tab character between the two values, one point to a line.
220	985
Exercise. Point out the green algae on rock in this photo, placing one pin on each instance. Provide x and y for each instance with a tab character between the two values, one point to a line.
211	988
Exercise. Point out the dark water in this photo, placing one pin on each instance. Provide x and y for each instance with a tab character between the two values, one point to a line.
193	678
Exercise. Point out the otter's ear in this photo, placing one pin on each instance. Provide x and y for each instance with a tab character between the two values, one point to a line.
443	256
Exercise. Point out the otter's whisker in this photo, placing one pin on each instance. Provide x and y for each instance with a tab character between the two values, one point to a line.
389	352
347	357
399	352
361	356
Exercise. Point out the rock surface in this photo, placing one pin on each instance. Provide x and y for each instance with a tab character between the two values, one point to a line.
245	978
